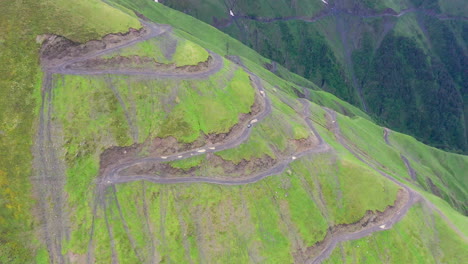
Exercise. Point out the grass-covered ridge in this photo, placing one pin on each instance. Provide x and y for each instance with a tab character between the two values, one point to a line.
20	82
166	49
277	219
400	61
418	238
436	171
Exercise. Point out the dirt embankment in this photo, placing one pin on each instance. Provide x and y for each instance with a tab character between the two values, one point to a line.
168	146
370	219
57	49
221	168
217	167
138	63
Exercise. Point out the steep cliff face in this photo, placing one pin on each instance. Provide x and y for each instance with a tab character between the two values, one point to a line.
402	62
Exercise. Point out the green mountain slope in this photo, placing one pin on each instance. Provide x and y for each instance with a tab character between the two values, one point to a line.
403	62
172	143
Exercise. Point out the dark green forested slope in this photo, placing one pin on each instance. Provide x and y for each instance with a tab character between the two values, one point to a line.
405	63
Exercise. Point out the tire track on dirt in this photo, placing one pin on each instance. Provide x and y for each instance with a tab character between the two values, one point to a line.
148	225
413	197
111	176
411	171
111	236
50	173
386	132
125	225
43	154
131	122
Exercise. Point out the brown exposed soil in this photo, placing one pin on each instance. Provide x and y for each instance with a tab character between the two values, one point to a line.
298	93
56	49
244	167
371	218
435	190
237	128
304	144
138	62
227	168
169	145
117	154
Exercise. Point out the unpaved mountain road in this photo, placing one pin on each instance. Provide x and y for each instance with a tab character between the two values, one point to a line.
414	197
45	153
49	169
336	11
112	176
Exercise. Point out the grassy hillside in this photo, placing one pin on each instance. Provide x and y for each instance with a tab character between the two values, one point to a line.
434	243
20	81
72	142
406	71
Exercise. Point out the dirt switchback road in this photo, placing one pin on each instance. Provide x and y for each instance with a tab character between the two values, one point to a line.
414	197
48	165
49	170
111	176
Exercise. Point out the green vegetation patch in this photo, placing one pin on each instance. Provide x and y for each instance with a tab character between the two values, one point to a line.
199	100
189	53
188	163
166	49
20	86
418	238
255	147
446	170
369	138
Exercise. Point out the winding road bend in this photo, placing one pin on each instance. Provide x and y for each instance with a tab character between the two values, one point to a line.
111	175
48	168
413	197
